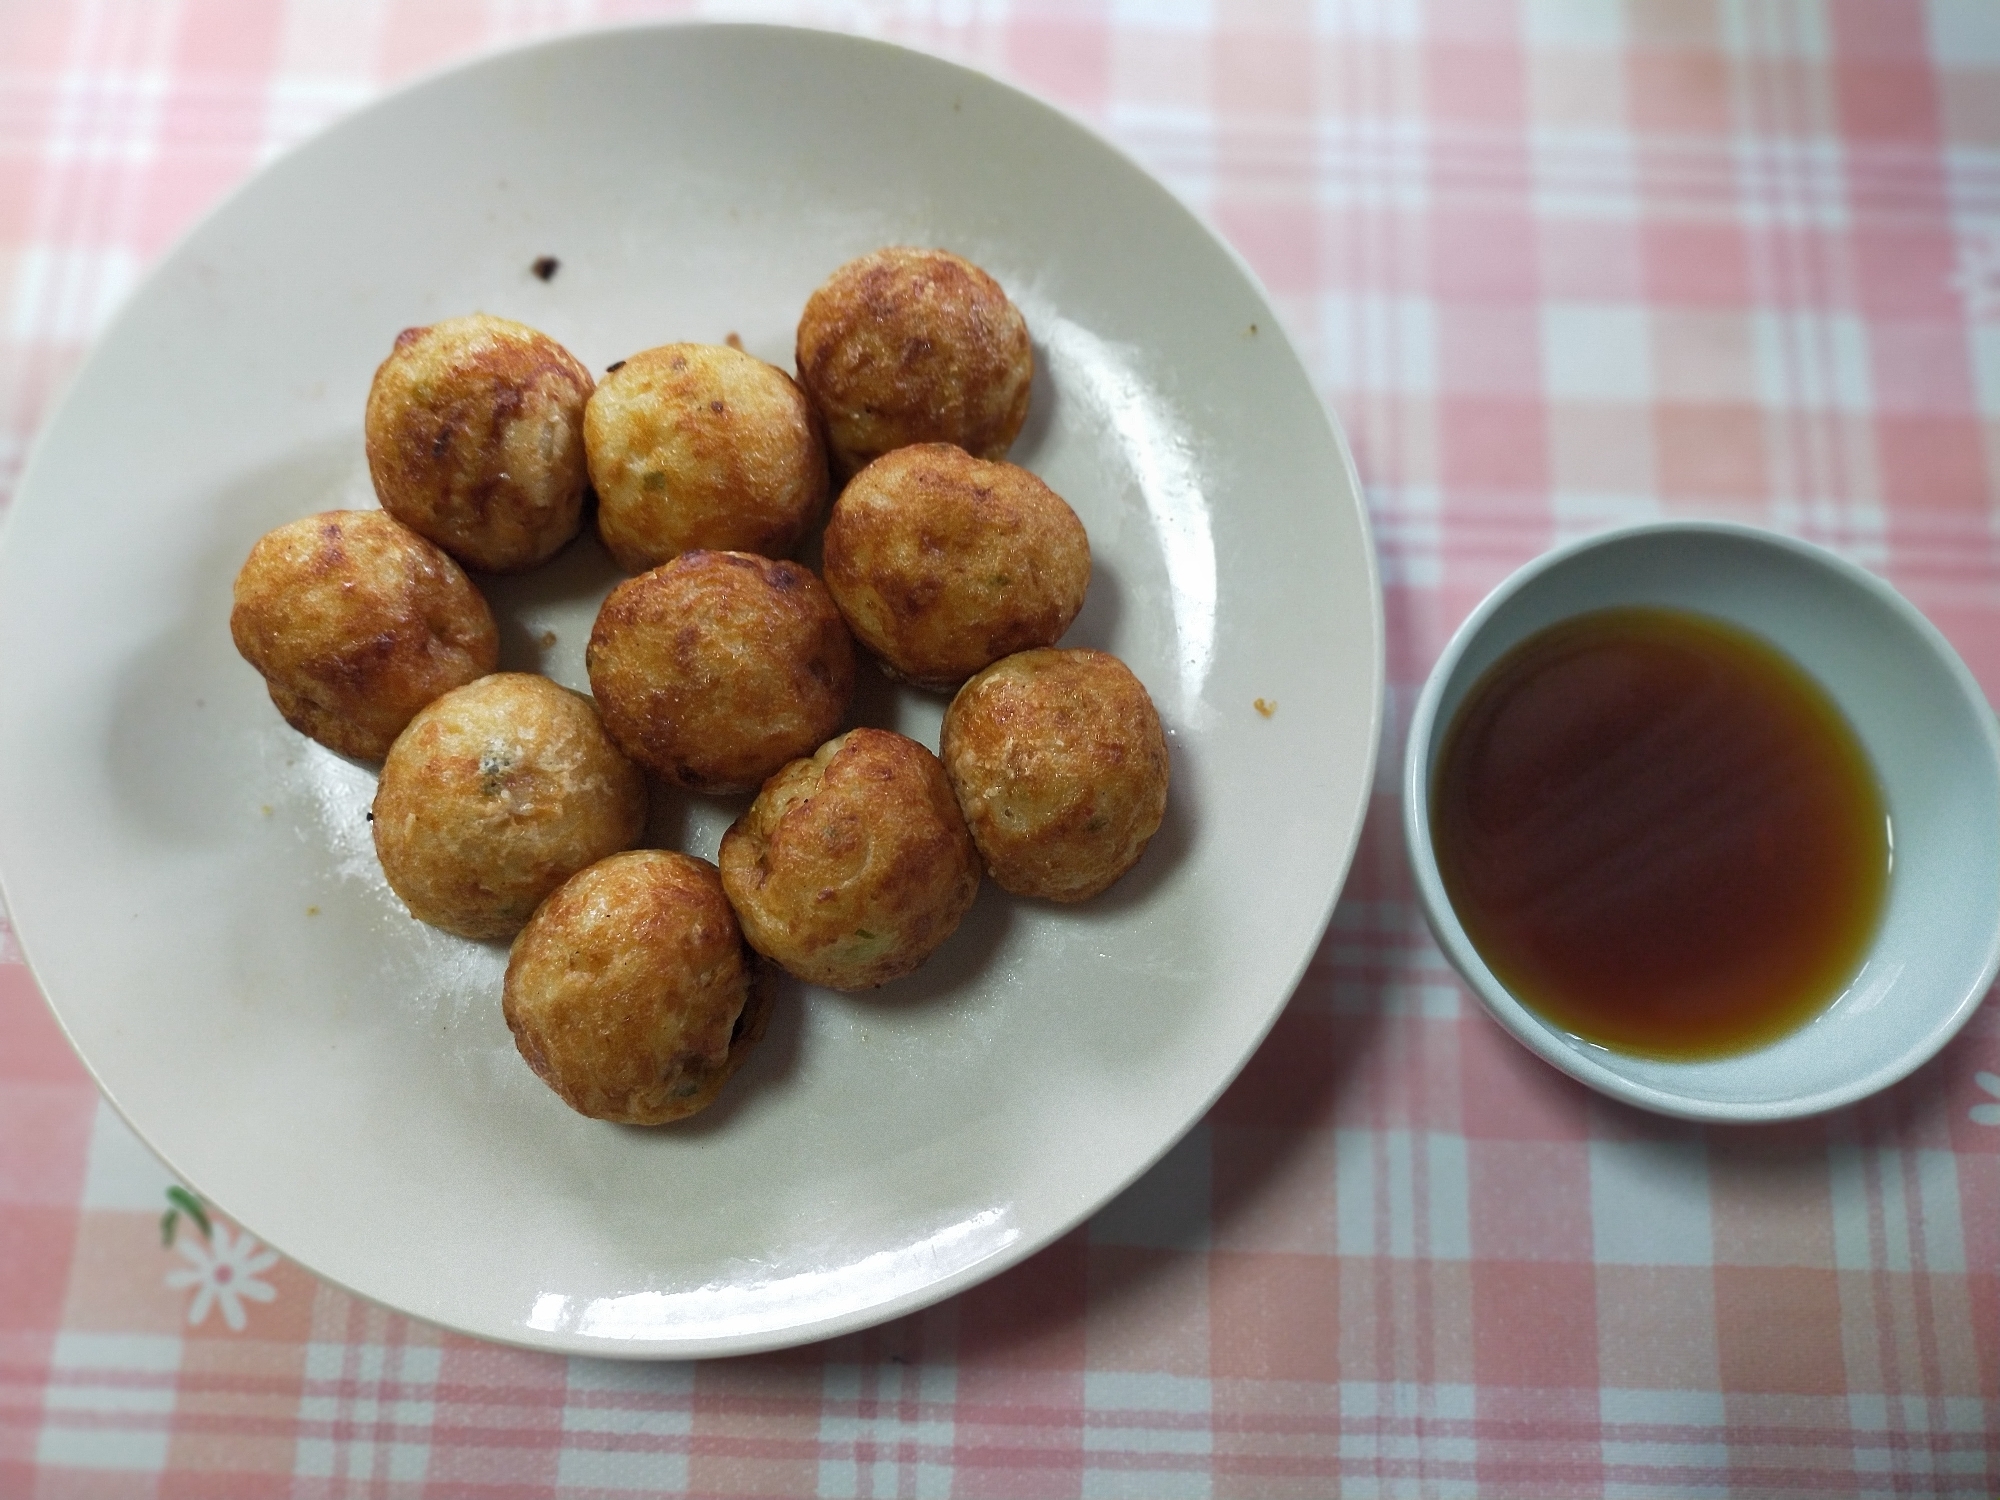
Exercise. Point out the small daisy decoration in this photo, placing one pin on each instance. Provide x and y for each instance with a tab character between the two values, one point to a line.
222	1266
1987	1114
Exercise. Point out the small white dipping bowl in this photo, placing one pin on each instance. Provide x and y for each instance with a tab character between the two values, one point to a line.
1926	727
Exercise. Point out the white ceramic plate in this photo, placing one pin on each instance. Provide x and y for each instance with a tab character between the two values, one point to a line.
194	883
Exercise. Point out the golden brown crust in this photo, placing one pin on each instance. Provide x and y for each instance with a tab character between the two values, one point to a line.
702	446
630	991
943	563
474	430
719	667
494	796
909	346
852	867
356	622
1060	767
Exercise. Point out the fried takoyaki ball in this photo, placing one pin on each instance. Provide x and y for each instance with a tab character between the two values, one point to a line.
719	667
852	867
630	992
356	622
698	445
943	563
914	346
494	796
475	438
1060	768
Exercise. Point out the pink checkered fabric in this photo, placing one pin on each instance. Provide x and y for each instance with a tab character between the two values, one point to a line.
1557	264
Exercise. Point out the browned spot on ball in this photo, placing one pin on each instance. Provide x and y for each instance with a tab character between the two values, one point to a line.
851	867
1060	765
474	437
943	563
703	668
631	992
911	346
494	795
355	623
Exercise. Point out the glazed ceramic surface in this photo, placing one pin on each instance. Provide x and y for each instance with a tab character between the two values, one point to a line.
195	885
1928	732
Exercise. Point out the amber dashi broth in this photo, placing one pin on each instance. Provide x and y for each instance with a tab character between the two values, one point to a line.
1660	833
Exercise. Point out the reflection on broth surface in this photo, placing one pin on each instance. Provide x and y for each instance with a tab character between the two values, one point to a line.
1660	833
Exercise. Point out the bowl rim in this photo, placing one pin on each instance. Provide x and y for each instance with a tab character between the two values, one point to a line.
1541	1037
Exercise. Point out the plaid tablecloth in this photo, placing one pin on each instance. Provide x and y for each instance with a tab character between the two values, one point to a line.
1556	265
